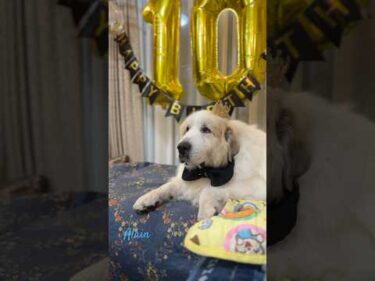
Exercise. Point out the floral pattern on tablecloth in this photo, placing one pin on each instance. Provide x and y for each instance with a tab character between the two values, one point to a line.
51	236
147	246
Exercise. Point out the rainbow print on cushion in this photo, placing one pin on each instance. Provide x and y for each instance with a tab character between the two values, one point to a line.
238	233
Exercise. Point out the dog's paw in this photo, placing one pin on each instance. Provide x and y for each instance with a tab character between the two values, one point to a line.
147	202
206	212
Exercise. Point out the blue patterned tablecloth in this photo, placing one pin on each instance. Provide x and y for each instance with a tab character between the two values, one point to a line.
51	236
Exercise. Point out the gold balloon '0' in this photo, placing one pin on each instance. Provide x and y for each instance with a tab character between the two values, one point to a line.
164	15
251	34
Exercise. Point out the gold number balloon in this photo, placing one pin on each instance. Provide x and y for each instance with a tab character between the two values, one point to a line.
164	15
251	34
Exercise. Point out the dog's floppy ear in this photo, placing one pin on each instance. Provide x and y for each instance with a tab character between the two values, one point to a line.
232	141
295	153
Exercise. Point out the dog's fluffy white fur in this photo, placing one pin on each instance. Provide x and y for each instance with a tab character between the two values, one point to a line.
334	238
225	139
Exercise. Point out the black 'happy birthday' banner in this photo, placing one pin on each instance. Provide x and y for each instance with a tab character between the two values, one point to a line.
245	89
328	17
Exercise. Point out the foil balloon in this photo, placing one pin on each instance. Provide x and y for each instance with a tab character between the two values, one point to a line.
251	34
164	15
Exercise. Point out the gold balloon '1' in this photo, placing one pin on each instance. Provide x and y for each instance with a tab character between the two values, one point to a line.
251	34
164	15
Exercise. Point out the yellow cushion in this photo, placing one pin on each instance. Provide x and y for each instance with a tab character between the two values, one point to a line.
238	233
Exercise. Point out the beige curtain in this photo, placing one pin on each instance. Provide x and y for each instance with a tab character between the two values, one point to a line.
40	102
125	102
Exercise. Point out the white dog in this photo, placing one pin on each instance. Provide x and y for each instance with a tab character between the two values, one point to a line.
221	159
331	150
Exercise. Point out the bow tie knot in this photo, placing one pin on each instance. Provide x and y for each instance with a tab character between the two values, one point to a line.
218	176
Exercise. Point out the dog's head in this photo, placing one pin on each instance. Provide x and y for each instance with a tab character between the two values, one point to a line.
208	139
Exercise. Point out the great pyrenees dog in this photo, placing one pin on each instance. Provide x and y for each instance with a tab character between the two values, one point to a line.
329	150
220	159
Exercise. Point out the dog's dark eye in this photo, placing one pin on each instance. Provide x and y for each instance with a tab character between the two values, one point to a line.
187	128
205	130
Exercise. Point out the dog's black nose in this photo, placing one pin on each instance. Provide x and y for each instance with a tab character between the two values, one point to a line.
184	148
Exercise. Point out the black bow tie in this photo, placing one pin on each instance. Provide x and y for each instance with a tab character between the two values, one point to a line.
282	216
218	176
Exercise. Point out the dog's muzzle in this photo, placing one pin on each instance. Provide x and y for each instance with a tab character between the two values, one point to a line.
184	151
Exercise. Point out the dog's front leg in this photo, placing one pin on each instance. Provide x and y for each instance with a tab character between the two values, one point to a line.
211	202
157	196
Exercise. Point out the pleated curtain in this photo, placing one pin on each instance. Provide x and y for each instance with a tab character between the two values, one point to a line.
125	103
